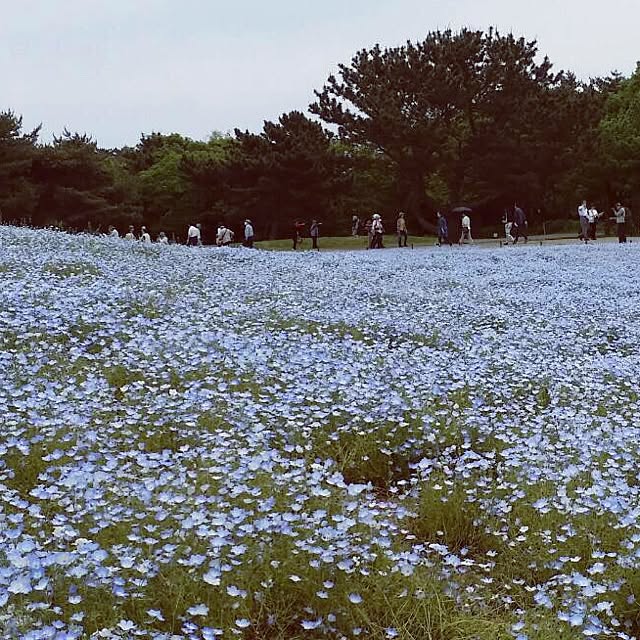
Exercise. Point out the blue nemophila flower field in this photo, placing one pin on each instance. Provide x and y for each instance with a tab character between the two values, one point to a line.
238	444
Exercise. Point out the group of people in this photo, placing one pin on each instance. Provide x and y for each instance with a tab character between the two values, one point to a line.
514	220
374	228
298	231
144	236
589	216
224	235
516	225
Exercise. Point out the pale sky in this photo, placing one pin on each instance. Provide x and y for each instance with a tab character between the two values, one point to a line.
118	68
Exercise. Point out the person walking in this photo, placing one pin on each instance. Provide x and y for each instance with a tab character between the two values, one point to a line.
162	238
130	235
519	227
355	226
314	232
629	222
443	230
368	226
401	229
248	234
507	220
377	230
621	223
145	238
225	236
465	233
194	235
113	232
592	217
583	216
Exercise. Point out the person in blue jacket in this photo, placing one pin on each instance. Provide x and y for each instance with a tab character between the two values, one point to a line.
443	230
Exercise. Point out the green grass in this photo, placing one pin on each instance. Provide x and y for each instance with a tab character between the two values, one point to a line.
343	243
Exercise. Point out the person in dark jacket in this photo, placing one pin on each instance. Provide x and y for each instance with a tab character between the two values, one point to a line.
519	227
443	231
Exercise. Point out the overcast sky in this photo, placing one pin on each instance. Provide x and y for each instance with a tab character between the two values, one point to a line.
117	68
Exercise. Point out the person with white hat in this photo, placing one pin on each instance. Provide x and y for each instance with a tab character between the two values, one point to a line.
377	230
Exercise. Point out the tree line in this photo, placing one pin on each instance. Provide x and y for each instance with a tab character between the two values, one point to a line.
467	118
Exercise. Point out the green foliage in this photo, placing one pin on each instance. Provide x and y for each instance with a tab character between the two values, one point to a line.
24	468
445	516
472	117
289	171
434	107
73	181
620	132
18	195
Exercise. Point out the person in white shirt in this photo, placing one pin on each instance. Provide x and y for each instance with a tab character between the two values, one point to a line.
225	236
248	234
377	231
583	215
113	232
466	229
162	238
194	236
130	235
592	217
507	220
144	236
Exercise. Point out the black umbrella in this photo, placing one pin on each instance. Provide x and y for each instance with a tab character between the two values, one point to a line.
461	210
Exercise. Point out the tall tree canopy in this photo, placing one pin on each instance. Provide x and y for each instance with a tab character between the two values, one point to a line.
18	194
74	182
291	170
454	106
471	117
620	135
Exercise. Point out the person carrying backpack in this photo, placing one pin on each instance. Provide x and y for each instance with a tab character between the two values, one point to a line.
225	236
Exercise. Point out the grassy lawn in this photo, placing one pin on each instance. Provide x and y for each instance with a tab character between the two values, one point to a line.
343	242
